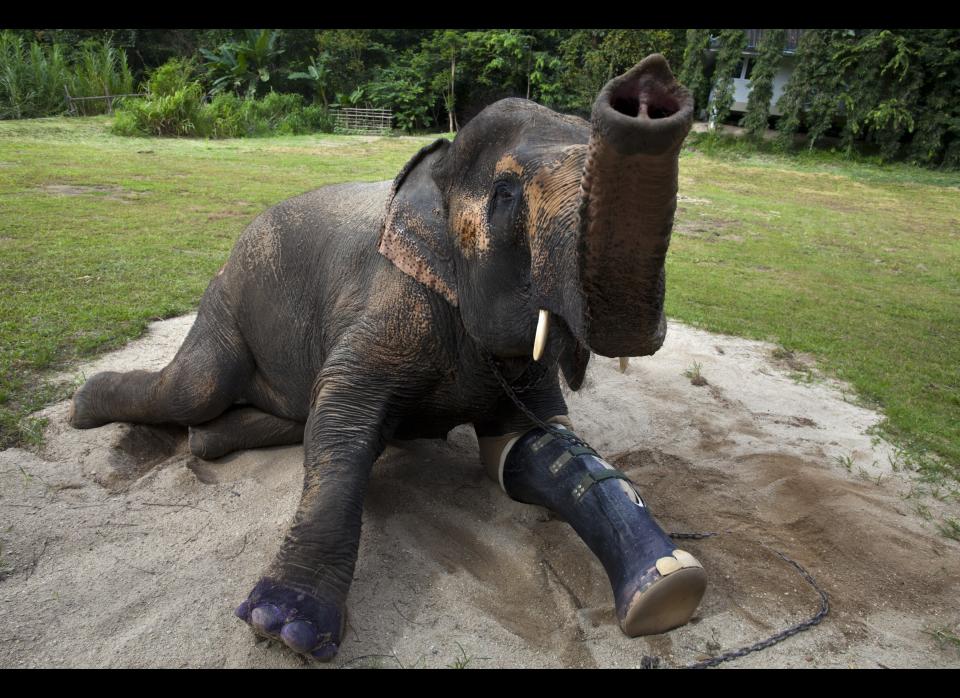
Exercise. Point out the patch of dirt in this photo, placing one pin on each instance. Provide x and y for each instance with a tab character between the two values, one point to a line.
709	230
106	191
691	200
794	361
319	147
800	508
229	213
139	448
112	535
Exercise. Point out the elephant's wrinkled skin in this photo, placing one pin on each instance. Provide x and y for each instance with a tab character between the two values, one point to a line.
359	313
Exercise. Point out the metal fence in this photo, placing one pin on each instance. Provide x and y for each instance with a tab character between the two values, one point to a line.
361	121
72	101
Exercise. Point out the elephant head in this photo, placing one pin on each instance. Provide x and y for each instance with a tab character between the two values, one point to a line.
529	214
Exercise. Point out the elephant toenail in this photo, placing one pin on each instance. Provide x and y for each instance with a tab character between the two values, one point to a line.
300	635
243	611
266	618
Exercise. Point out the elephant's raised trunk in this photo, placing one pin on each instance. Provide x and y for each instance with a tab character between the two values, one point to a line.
628	198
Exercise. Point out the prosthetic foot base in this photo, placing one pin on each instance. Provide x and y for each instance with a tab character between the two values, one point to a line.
656	586
666	603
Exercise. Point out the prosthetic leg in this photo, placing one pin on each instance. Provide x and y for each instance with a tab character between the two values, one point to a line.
656	586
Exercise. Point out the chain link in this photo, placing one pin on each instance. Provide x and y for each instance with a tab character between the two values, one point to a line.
537	374
781	636
694	536
534	367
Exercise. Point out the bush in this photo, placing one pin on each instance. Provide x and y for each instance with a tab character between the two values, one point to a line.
181	113
31	78
268	115
98	69
227	116
174	75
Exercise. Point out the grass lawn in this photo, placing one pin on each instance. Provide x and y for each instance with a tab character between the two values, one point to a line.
855	263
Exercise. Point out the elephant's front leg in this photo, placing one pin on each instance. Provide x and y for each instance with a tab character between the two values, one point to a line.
301	599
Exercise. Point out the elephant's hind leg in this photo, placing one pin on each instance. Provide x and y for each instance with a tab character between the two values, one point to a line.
205	377
240	428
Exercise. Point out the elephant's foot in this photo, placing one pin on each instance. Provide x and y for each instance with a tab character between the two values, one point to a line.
83	414
305	623
241	428
206	444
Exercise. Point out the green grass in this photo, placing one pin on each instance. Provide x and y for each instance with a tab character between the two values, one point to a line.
945	638
855	263
148	224
694	373
950	528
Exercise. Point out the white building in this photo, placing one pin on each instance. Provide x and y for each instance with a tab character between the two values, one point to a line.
741	76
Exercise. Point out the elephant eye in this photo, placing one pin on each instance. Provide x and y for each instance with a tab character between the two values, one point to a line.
502	191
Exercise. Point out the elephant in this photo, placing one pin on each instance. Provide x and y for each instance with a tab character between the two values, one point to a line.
361	313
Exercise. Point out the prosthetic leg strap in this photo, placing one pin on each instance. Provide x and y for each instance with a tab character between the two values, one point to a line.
494	449
590	479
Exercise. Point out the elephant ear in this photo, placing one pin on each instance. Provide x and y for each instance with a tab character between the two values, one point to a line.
414	235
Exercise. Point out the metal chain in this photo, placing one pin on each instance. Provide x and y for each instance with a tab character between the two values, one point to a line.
694	536
781	636
564	434
647	661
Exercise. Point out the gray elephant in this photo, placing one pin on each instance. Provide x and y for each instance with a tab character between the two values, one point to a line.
360	313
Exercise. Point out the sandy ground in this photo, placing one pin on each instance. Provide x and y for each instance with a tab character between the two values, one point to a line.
120	549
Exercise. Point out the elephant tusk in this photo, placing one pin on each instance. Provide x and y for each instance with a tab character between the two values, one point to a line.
624	362
543	328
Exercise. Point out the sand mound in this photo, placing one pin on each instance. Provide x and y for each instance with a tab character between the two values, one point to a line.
122	549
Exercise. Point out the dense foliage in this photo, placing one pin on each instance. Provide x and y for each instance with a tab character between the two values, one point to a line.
694	71
176	106
769	54
893	90
34	76
811	95
732	44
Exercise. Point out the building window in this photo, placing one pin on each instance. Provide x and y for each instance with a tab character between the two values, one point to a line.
744	68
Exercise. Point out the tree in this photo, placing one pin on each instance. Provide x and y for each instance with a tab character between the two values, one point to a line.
732	44
769	55
402	89
446	45
693	74
936	134
244	62
811	94
355	57
624	48
318	73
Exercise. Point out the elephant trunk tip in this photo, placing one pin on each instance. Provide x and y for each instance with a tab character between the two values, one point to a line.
645	91
645	110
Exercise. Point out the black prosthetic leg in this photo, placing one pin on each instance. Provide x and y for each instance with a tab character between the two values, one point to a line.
656	587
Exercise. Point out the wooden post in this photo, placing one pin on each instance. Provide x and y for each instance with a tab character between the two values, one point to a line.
70	106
